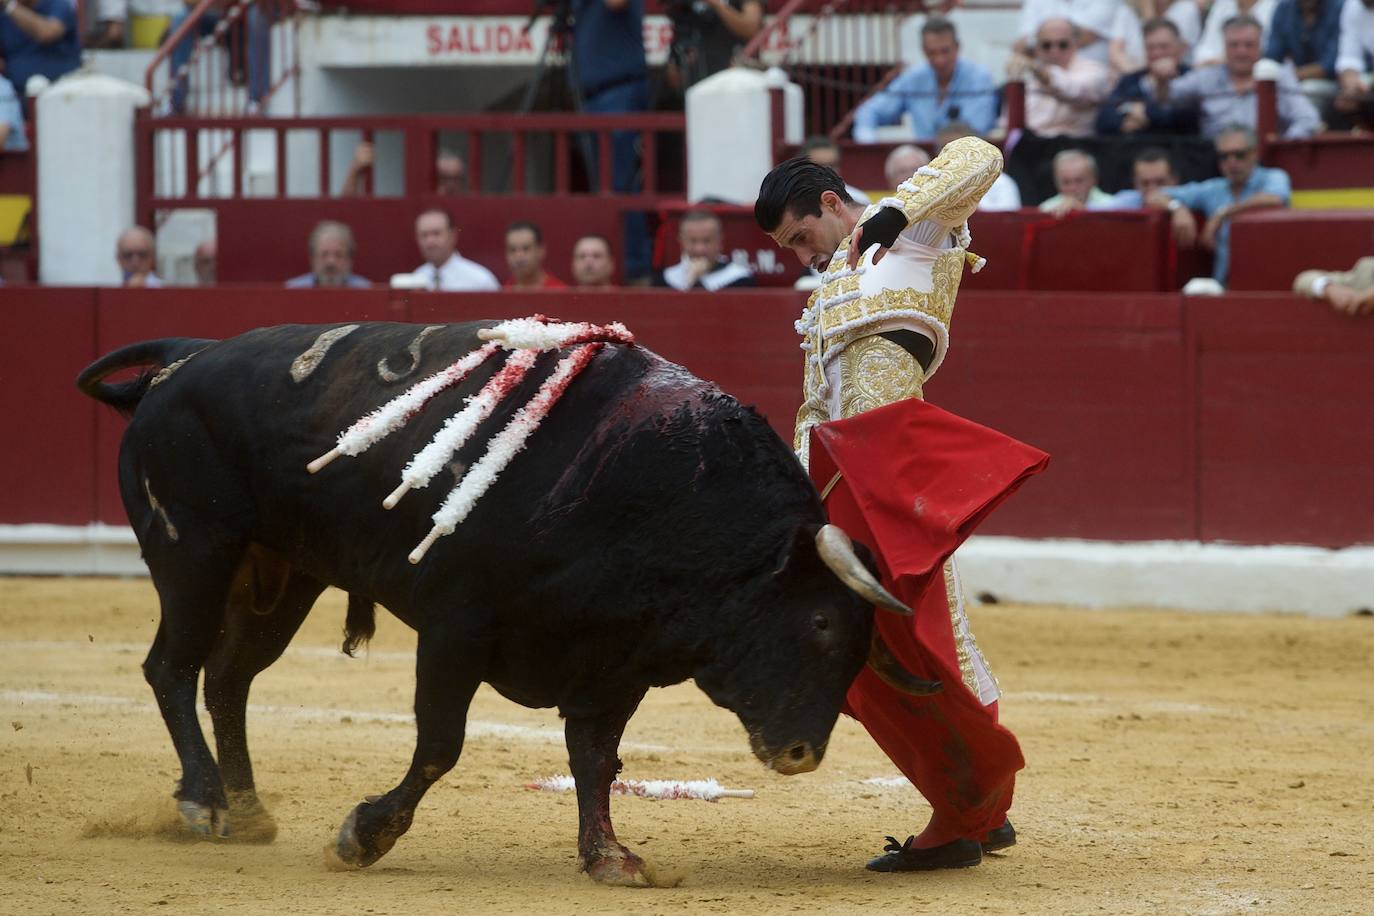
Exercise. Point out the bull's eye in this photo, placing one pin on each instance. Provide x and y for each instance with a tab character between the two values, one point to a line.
821	621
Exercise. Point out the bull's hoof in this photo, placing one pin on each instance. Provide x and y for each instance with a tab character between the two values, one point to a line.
251	821
354	849
622	868
204	822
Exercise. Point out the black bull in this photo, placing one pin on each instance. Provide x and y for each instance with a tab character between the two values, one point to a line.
653	530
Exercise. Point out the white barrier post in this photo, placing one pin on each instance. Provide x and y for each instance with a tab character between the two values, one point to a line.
730	132
85	152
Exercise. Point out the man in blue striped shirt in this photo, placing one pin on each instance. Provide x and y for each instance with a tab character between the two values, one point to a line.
944	89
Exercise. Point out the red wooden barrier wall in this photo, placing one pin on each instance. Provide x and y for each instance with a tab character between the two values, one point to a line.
1242	418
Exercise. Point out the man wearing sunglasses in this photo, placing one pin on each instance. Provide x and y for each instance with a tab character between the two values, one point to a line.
1064	88
1244	185
137	258
1095	21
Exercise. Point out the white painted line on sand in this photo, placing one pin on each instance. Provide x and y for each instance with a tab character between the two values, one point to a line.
86	645
476	729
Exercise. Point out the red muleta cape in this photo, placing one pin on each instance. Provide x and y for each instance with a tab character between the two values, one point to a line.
915	482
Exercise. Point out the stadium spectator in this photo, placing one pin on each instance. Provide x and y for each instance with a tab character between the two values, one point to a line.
1244	185
38	38
1075	178
136	253
945	88
593	264
525	258
1004	194
703	264
706	36
1096	23
1131	108
450	173
1225	93
13	137
902	163
331	248
1211	47
444	267
1350	291
1151	171
1306	35
613	78
1355	56
1064	87
824	151
205	261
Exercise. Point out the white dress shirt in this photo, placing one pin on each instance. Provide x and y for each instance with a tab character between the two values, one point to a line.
1003	195
1357	36
457	274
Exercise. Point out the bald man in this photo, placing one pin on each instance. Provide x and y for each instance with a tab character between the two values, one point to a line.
903	162
136	253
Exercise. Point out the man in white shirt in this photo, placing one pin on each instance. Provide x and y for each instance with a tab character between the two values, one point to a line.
704	264
444	267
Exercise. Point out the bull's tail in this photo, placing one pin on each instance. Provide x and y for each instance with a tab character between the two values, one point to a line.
151	355
360	624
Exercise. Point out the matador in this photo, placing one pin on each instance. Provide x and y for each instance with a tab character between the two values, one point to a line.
907	479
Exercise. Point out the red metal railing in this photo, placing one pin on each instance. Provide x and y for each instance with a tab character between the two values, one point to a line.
242	53
172	174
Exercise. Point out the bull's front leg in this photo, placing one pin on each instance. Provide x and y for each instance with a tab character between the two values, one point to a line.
448	670
593	744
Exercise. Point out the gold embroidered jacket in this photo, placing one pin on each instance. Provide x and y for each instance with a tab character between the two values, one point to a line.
849	369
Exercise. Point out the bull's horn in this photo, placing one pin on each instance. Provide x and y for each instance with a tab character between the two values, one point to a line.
893	674
837	552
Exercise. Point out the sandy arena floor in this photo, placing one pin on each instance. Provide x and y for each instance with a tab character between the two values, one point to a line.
1178	764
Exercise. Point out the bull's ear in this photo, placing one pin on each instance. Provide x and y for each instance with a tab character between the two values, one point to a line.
803	539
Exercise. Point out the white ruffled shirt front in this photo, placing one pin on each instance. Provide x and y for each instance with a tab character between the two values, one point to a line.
908	264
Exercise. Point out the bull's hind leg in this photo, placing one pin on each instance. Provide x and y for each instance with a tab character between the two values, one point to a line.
267	604
448	668
593	744
192	585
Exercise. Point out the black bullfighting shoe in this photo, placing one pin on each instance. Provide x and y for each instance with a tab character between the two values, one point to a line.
905	857
1000	838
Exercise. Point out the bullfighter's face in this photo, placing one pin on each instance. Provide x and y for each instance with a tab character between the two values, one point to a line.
813	238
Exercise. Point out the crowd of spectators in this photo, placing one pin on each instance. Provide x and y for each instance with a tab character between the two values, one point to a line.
1098	68
331	249
1151	72
1136	79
